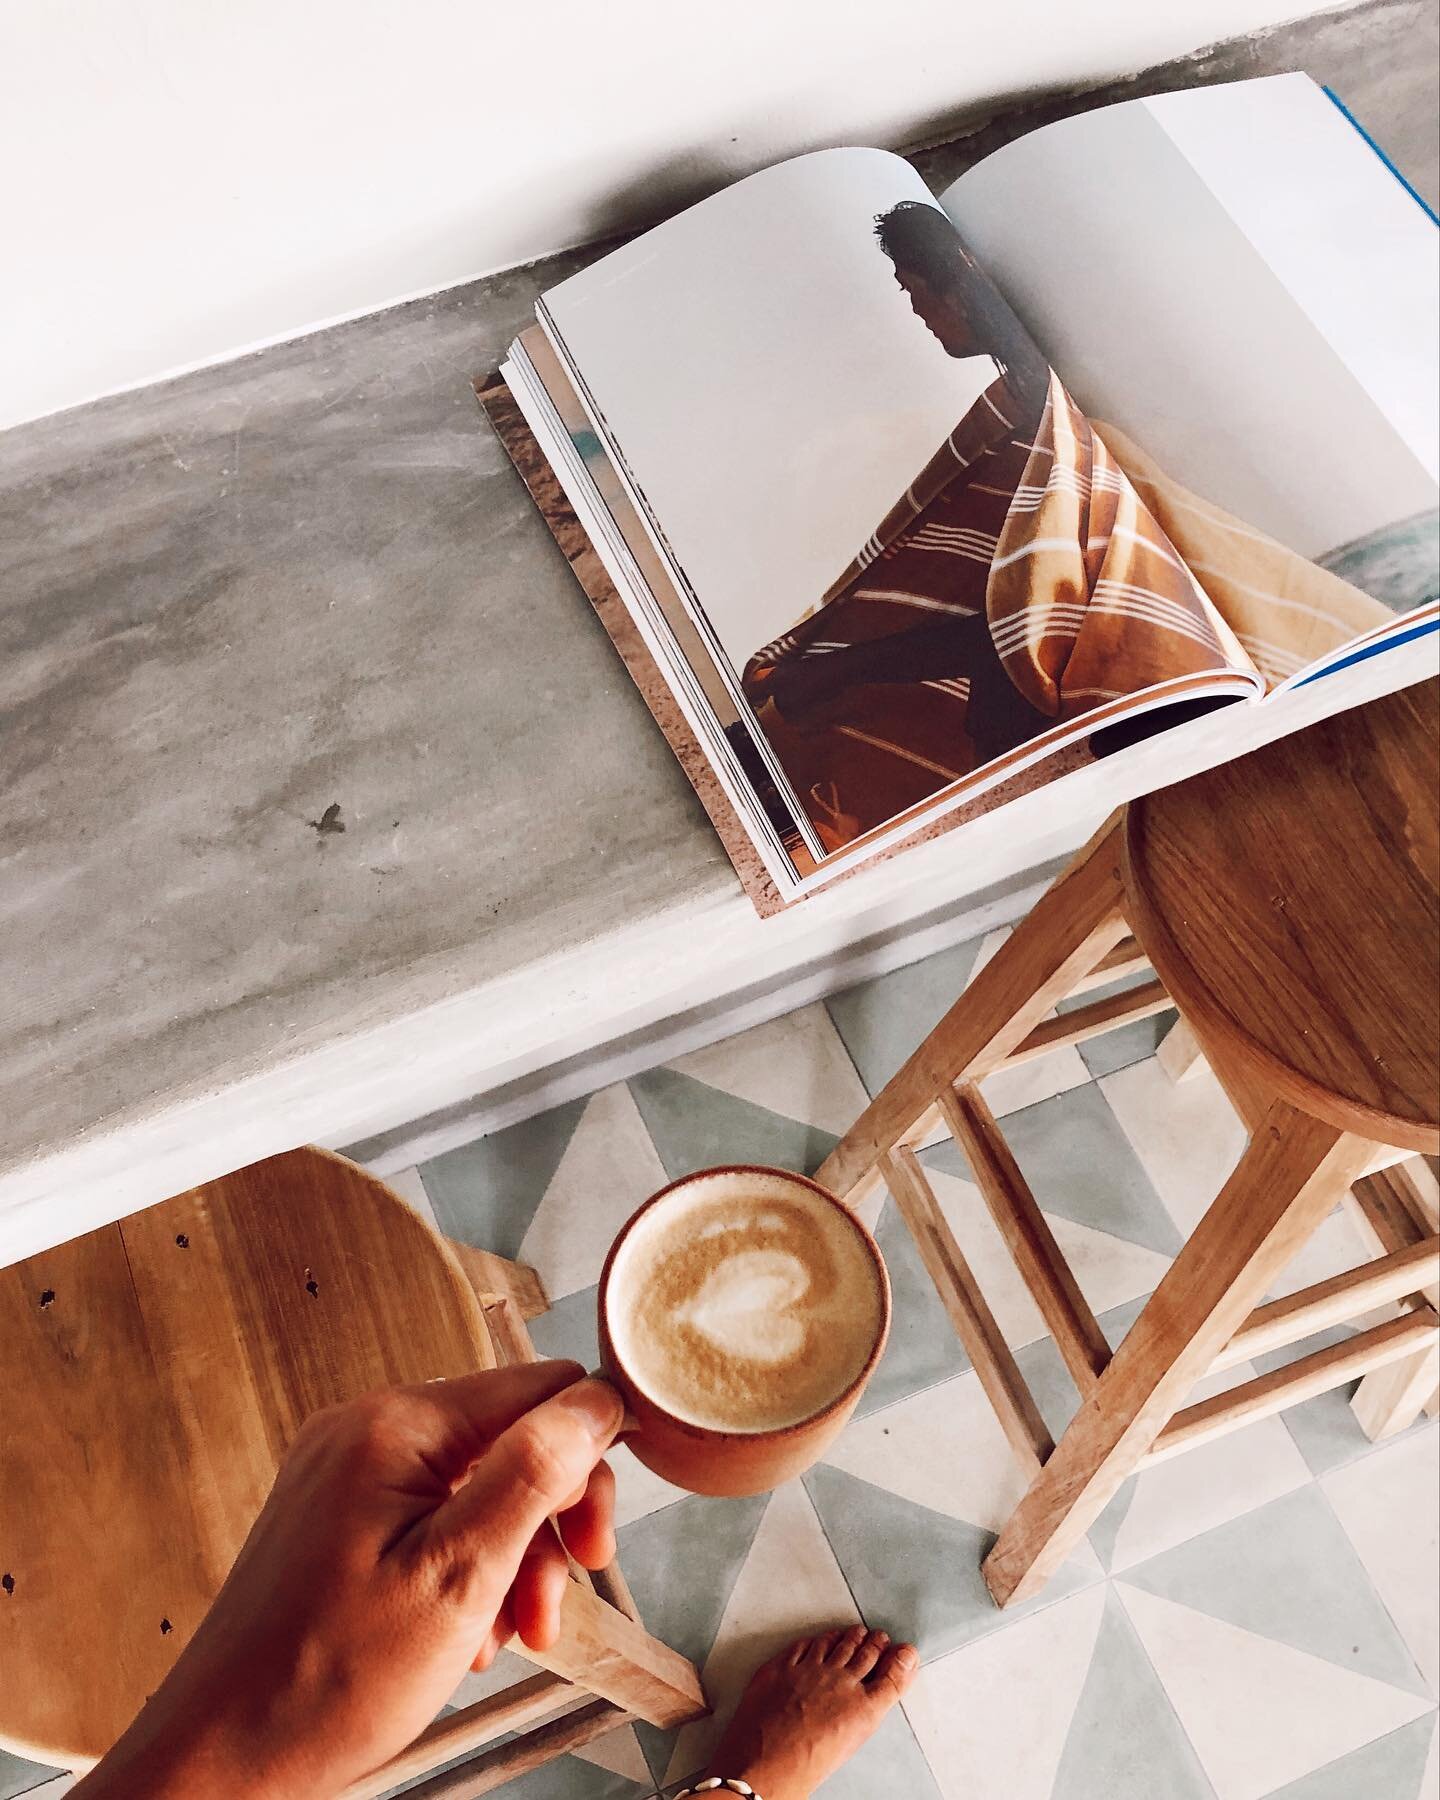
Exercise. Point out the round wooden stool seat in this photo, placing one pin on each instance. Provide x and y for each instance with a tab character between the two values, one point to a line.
153	1373
1290	901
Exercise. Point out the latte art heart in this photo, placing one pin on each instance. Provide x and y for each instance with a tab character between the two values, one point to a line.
746	1306
744	1301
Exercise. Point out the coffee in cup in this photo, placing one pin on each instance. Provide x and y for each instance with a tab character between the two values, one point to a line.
742	1311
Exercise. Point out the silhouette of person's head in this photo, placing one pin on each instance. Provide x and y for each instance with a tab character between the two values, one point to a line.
951	296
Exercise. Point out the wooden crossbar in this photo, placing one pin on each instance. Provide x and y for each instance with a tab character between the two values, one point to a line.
468	1729
1297	1381
1027	1235
493	1768
1332	1302
1090	1021
974	1323
1127	958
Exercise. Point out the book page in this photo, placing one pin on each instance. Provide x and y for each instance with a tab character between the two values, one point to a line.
916	566
1234	281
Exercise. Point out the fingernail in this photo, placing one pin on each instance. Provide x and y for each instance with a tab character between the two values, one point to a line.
597	1404
907	1656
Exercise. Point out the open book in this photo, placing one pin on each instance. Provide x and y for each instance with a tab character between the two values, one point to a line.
911	501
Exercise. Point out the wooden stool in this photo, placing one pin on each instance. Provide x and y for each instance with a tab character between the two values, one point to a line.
153	1373
1287	903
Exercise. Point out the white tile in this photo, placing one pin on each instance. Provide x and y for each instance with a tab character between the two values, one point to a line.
1259	1713
1185	1133
790	1587
1030	1082
796	1065
608	1169
1389	1504
411	1189
1430	1780
942	1448
992	1717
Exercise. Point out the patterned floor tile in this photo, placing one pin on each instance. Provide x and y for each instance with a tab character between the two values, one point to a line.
1185	1134
1392	1768
1125	1742
790	1586
916	1572
681	1563
882	1021
796	1065
573	1778
1110	1269
486	1193
695	1127
609	1168
411	1189
992	1718
1389	1507
1259	1713
1287	1572
1081	1167
1325	1429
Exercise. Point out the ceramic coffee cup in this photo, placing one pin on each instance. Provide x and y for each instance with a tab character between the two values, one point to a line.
786	1270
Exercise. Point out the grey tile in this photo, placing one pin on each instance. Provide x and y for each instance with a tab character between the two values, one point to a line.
923	1348
1081	1166
486	1193
881	1021
17	1776
1125	1742
693	1126
569	1328
914	1572
1392	1768
681	1564
572	1778
1127	1043
1287	1571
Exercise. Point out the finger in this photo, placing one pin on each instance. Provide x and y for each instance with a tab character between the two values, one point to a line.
846	1645
539	1589
461	1417
587	1527
894	1673
865	1658
530	1470
498	1636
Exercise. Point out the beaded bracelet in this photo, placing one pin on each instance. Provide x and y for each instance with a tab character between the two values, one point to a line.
712	1783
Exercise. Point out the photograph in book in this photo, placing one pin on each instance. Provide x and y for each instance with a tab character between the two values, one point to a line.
914	559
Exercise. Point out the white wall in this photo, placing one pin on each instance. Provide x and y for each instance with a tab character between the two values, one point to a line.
186	178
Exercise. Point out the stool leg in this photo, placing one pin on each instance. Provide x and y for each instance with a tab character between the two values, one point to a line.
1180	1055
1390	1399
1076	922
1287	1181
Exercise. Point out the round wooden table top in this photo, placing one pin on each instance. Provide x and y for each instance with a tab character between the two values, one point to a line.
1291	900
153	1373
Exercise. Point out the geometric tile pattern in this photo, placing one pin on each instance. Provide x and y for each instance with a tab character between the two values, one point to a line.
1255	1620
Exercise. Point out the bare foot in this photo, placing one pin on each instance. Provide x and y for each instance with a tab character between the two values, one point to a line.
810	1708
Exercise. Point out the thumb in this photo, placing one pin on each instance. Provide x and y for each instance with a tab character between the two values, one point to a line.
533	1469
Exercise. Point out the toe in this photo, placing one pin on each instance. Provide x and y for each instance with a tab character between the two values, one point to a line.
819	1647
893	1673
867	1653
846	1645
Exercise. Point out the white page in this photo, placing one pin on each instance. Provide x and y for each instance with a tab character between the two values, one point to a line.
1236	279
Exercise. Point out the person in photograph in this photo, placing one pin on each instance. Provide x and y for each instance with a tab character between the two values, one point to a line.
1017	583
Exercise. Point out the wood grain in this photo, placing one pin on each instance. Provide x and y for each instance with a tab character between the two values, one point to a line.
975	1325
1070	929
1092	1021
536	1697
1291	902
1286	1182
1027	1234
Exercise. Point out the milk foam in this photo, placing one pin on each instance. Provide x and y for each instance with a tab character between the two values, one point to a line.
744	1302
